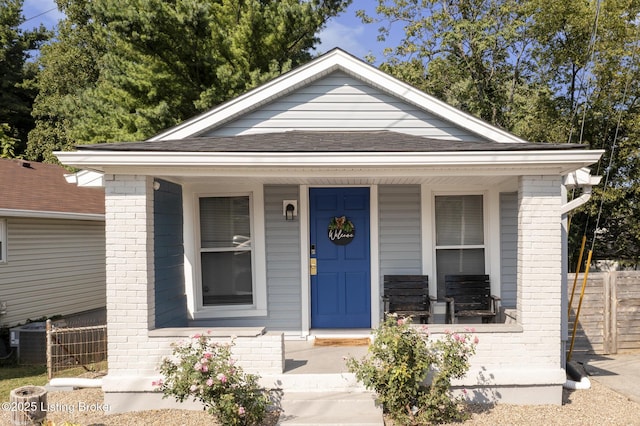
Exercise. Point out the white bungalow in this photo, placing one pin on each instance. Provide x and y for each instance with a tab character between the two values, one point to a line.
211	225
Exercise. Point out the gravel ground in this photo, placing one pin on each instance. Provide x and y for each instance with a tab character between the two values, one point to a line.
596	406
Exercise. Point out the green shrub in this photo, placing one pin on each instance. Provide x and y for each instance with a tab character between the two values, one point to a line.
203	370
411	373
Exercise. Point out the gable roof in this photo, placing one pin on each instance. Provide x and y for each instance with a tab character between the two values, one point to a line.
324	141
38	189
334	60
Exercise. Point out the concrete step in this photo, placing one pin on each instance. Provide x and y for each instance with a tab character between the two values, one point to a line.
335	382
330	408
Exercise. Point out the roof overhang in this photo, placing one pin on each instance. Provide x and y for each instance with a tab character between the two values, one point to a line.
555	162
43	214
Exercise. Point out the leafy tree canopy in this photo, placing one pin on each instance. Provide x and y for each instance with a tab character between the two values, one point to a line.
146	65
16	94
547	71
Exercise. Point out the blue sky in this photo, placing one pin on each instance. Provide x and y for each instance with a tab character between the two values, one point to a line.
346	31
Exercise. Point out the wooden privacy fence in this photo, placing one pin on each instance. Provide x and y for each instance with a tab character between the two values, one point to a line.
610	314
76	351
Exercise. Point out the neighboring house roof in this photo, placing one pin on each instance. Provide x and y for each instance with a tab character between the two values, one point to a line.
323	141
30	188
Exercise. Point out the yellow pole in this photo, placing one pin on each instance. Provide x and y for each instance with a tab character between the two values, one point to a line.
575	278
575	322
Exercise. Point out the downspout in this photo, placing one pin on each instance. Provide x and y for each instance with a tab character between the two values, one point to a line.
580	178
579	381
577	202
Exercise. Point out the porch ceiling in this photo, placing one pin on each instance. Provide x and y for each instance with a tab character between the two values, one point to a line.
336	178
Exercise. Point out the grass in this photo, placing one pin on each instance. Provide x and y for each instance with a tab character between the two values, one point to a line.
13	376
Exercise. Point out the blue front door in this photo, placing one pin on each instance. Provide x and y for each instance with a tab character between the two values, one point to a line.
341	288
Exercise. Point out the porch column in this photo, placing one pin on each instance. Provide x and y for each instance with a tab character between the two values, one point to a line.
130	269
540	267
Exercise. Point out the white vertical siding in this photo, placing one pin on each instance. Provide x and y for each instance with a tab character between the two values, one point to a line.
55	267
341	102
508	248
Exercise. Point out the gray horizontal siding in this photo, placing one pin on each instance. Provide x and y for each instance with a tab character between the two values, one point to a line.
399	230
341	102
508	248
55	267
283	268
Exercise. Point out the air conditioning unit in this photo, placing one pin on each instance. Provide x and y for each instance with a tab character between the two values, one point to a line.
31	343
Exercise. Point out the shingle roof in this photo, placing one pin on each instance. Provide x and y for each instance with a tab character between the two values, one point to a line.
33	186
323	141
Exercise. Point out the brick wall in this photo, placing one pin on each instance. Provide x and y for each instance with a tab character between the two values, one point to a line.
133	349
540	267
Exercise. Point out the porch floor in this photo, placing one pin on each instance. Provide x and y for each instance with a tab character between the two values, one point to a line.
303	357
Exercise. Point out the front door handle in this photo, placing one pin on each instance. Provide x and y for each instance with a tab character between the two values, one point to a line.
313	266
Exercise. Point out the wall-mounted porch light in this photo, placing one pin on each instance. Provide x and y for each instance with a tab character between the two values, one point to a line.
289	209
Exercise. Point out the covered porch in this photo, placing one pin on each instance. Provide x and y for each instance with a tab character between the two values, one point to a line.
176	265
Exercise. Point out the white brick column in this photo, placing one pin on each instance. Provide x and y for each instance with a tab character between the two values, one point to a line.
540	267
130	268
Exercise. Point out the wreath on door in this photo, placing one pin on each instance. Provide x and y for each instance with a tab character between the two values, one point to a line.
341	230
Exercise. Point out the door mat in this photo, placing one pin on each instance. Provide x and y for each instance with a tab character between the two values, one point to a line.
355	341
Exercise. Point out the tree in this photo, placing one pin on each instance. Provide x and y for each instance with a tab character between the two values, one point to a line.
469	53
16	94
546	71
155	63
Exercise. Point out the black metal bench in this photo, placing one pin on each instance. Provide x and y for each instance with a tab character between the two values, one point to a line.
470	296
408	295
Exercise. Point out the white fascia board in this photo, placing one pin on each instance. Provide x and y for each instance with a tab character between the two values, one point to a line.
567	161
41	214
319	67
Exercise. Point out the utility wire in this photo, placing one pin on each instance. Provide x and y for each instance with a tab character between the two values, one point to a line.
586	80
615	140
40	14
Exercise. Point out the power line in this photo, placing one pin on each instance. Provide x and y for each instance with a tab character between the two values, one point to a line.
40	14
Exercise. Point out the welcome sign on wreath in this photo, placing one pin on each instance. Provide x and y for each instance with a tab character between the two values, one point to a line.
341	231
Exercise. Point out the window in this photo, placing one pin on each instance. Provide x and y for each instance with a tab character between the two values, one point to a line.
460	245
3	240
226	252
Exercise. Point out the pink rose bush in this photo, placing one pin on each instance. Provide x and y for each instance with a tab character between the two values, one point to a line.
411	372
203	370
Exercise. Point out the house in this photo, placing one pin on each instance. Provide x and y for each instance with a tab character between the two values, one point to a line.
52	243
221	224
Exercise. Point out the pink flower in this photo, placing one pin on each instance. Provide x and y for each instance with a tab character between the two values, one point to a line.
207	355
197	366
222	378
197	336
241	411
476	340
193	388
209	382
204	368
157	383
